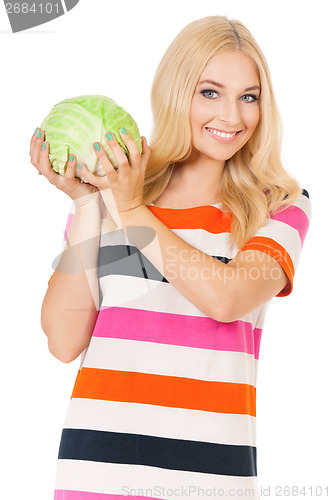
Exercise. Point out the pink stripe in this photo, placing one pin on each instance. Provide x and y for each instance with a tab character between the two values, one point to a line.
176	329
69	221
86	495
257	340
296	218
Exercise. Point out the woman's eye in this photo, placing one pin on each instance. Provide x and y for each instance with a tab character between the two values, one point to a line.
210	94
249	98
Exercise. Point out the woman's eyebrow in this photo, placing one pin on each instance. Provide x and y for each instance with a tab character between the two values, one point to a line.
220	85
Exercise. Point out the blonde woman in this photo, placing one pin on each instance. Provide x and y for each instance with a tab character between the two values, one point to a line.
202	230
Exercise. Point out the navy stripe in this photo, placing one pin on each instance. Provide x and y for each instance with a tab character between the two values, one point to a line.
174	454
128	260
304	192
225	260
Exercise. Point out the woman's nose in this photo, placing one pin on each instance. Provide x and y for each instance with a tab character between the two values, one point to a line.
229	112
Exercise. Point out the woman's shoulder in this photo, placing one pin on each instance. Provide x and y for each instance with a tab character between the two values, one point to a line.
300	209
302	203
291	222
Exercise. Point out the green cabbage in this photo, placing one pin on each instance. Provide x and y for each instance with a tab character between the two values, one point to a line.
73	125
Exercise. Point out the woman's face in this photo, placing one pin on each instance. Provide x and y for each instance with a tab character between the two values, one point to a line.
225	107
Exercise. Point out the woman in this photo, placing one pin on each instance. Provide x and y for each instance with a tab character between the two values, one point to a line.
203	229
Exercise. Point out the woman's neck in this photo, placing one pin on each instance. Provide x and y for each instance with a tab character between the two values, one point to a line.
192	183
197	178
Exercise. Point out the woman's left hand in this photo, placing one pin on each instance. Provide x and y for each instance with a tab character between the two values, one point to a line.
121	189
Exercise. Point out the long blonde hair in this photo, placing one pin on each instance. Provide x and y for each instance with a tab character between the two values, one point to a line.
254	182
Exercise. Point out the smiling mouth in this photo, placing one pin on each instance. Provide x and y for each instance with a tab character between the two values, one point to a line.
222	136
219	133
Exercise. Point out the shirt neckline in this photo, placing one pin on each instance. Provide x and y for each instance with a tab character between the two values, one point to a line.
218	205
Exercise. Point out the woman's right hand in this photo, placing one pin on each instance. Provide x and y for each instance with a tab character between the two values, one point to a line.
67	183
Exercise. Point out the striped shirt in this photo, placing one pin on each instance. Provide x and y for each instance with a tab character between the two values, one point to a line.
164	402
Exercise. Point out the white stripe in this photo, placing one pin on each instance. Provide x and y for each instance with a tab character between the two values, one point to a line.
151	295
219	244
261	315
115	237
151	481
304	204
285	235
72	208
153	420
127	291
212	244
171	360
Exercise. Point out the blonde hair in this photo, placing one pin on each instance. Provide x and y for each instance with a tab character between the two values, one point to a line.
254	182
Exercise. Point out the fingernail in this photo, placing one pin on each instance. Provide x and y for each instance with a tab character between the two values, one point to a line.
35	132
71	158
123	130
39	134
96	146
43	146
109	136
79	166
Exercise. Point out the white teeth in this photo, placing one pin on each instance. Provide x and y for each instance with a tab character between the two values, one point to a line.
220	134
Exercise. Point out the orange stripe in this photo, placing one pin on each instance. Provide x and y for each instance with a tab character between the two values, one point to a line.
49	281
210	218
161	390
76	381
271	247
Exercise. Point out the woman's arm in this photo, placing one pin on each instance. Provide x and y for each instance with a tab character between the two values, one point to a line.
224	292
70	307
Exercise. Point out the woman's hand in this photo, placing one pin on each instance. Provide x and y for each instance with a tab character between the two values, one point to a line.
67	183
121	189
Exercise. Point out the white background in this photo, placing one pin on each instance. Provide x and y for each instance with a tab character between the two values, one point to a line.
113	48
